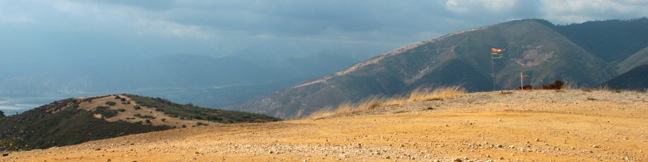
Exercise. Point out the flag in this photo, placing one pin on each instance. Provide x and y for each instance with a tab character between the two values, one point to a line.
496	52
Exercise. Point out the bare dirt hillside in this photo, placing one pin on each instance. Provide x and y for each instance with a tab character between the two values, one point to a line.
546	125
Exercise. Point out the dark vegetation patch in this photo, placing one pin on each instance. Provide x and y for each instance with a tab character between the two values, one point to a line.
201	124
189	111
106	112
556	85
39	129
110	103
143	116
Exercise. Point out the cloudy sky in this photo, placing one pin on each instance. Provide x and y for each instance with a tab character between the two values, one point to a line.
51	29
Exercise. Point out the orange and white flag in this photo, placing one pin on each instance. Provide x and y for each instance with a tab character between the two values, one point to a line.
496	51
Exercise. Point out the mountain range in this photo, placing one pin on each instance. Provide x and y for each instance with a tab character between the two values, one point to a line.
584	55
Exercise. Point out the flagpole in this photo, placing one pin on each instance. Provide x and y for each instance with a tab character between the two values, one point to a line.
493	72
495	53
522	80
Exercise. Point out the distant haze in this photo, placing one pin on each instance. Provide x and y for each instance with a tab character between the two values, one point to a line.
217	53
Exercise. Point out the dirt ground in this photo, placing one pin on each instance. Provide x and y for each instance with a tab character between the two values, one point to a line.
573	125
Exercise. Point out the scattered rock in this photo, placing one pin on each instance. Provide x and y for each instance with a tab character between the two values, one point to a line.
595	146
5	154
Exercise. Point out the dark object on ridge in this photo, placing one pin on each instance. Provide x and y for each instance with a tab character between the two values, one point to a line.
526	87
555	85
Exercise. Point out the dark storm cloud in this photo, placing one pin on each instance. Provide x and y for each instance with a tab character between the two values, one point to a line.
226	26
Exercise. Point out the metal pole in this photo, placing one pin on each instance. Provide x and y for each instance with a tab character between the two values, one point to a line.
522	80
493	72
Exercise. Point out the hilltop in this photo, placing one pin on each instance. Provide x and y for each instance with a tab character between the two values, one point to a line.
447	125
77	120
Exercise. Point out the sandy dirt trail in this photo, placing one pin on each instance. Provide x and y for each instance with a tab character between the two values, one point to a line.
570	129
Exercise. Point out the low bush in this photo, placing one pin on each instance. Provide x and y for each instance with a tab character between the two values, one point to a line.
106	112
110	103
556	85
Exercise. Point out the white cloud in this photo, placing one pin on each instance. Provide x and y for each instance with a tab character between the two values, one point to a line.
171	28
473	6
101	17
574	11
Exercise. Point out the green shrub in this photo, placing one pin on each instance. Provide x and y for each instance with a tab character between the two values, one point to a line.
106	112
110	103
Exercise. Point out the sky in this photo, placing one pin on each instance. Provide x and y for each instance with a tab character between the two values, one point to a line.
55	29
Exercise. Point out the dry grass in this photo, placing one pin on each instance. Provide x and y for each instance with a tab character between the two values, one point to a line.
436	94
375	102
350	108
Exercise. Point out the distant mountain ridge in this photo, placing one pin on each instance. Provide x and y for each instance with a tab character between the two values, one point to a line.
542	51
635	79
76	120
611	40
638	59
